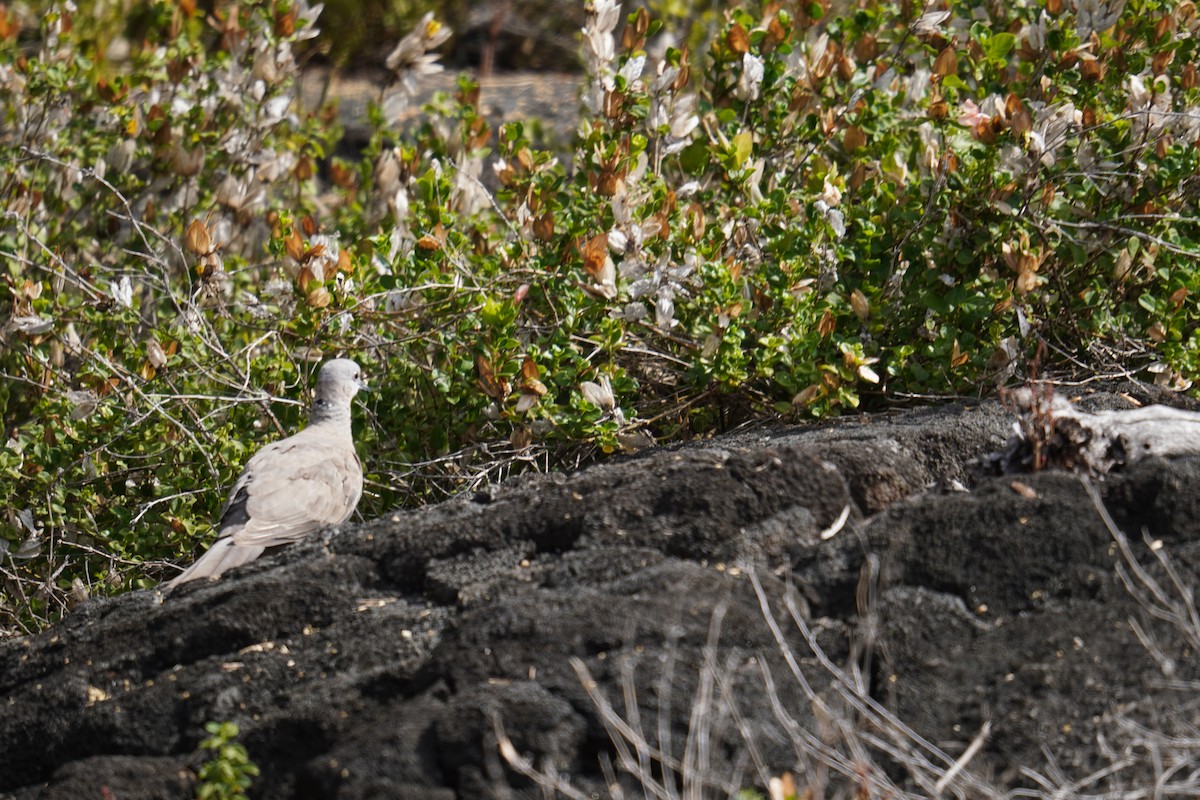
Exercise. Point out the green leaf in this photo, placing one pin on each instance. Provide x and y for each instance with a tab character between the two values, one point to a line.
694	158
955	82
1001	45
743	145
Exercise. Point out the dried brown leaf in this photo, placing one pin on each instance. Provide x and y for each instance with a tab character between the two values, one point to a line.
319	297
595	252
197	238
946	62
738	39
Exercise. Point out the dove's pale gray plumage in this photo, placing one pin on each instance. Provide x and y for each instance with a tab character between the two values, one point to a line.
295	486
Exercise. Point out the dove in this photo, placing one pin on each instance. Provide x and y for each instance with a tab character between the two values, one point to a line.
295	486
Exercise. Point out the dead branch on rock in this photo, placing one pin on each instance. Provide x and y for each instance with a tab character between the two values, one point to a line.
1052	432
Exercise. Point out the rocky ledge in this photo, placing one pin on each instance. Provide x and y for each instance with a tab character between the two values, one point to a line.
854	604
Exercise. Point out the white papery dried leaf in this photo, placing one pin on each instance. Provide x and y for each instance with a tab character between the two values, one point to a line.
276	109
122	292
683	118
155	354
598	394
1097	16
231	192
632	69
664	308
83	403
751	78
930	22
635	312
31	324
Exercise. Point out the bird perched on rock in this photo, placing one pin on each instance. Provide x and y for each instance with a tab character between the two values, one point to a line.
295	486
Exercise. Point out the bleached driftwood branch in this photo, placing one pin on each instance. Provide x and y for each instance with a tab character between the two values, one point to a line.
1053	432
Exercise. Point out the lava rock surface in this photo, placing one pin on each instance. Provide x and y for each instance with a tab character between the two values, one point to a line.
852	598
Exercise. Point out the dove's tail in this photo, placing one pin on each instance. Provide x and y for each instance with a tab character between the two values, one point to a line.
223	555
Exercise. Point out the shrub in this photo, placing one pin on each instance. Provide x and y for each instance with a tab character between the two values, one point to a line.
230	772
809	210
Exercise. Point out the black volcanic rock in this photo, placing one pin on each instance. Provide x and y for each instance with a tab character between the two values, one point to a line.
390	659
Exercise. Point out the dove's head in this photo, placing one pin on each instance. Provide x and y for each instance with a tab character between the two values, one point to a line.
337	383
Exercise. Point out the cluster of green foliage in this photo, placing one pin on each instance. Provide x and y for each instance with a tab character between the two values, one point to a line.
229	773
809	210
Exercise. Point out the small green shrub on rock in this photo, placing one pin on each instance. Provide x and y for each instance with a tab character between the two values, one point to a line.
230	772
810	211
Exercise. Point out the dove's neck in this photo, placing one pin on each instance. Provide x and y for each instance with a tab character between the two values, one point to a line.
327	412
